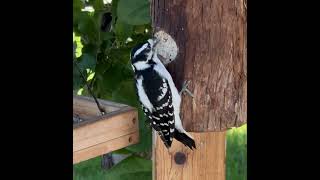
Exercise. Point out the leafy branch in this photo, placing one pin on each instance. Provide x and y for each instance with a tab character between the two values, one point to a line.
103	39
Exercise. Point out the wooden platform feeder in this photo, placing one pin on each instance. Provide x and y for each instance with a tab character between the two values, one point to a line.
95	134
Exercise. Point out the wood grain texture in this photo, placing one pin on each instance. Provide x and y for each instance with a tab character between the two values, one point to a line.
105	130
207	162
105	147
87	108
97	135
211	36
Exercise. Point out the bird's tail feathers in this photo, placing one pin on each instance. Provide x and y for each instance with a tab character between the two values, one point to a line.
185	138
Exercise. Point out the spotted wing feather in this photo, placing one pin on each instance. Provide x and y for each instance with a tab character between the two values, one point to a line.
161	118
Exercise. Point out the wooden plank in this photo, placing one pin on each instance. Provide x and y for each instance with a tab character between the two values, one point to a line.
93	118
99	134
207	162
87	108
105	147
105	129
102	101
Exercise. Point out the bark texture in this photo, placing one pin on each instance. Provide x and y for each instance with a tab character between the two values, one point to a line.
211	37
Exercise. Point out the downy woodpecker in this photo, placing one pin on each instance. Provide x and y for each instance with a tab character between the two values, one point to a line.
158	95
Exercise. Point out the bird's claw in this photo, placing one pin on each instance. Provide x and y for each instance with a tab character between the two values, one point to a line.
185	89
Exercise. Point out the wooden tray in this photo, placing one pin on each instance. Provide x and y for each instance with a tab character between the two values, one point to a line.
95	135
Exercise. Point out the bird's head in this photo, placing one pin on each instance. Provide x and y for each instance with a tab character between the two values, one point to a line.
141	55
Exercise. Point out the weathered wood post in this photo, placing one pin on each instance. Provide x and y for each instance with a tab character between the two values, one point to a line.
211	37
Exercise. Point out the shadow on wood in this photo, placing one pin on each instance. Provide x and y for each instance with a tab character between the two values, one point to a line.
95	135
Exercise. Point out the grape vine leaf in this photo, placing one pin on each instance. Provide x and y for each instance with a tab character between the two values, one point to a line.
134	12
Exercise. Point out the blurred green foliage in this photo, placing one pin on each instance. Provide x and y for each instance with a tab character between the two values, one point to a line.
104	34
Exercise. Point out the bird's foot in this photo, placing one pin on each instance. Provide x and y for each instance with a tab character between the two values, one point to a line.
185	89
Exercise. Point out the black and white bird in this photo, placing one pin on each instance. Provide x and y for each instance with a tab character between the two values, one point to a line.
158	95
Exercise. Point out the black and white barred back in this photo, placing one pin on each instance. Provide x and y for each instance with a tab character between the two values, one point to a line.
161	118
155	96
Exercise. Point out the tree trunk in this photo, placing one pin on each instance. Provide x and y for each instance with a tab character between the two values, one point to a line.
211	37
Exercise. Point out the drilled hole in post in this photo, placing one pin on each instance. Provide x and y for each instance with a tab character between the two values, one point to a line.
134	120
180	158
130	139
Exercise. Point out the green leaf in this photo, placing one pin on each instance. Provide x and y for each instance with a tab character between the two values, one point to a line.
90	49
78	45
77	6
126	94
112	78
98	20
77	82
107	36
140	29
80	91
137	167
134	12
91	75
139	38
121	55
114	6
97	4
123	30
87	61
89	27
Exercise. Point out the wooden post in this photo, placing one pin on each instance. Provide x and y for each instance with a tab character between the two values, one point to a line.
211	37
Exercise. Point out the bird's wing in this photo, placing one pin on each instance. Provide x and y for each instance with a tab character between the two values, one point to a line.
162	115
